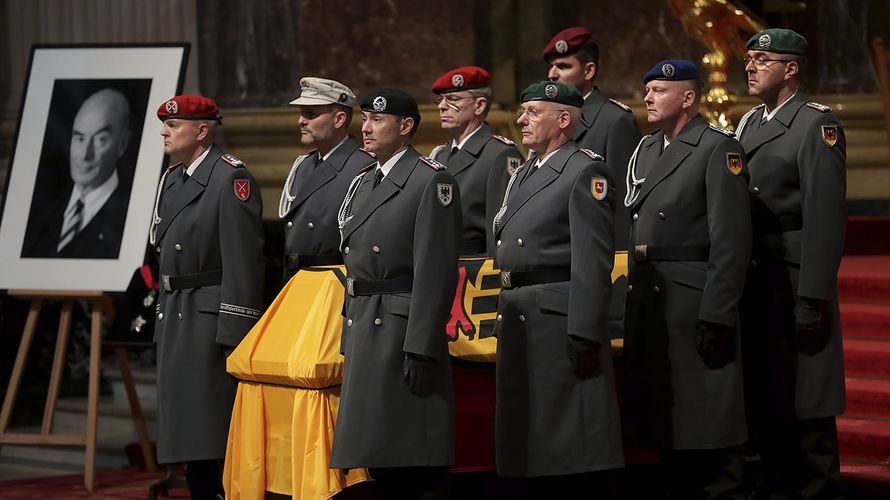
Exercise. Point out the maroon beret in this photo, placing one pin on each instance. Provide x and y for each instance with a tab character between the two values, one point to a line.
189	107
464	78
566	42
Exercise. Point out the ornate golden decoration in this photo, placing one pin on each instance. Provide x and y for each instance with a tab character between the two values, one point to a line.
721	26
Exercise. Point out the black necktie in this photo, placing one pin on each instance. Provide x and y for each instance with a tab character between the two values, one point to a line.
378	176
454	150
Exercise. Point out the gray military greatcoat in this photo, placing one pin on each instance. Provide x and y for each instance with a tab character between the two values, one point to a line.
693	200
481	168
311	197
409	225
798	187
210	223
549	421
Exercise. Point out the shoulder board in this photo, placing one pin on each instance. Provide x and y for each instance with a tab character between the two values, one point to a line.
820	107
367	167
372	155
721	130
232	160
503	139
433	164
620	105
174	167
592	155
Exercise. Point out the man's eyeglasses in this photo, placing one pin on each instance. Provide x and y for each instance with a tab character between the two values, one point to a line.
450	99
535	114
761	62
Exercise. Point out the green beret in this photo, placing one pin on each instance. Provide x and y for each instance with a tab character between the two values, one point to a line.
780	41
557	92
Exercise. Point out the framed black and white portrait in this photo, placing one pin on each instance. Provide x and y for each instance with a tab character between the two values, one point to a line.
85	165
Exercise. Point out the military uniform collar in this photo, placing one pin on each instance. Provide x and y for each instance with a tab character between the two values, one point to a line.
479	138
557	159
593	103
402	168
693	131
202	173
789	109
337	157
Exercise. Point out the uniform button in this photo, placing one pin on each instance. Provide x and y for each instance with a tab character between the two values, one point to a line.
160	316
498	244
178	247
519	242
158	249
349	322
311	225
636	216
179	315
378	321
756	190
290	223
500	318
375	249
522	318
661	215
753	263
656	289
630	288
346	250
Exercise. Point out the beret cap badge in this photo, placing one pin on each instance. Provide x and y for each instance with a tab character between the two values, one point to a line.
550	91
765	41
562	46
380	103
668	70
457	80
171	107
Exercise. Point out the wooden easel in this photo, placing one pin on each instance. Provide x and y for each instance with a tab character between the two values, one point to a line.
100	305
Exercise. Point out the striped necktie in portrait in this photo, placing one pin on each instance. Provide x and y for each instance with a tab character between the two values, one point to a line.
73	219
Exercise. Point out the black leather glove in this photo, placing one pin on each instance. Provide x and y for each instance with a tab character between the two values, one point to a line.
808	324
585	357
420	373
715	344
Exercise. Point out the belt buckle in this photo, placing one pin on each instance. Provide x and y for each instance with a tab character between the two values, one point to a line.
640	252
350	286
506	282
293	260
165	282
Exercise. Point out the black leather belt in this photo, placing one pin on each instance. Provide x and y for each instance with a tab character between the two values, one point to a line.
781	224
402	284
649	252
195	280
512	279
297	261
472	247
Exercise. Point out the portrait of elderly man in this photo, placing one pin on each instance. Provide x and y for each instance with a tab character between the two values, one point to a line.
85	220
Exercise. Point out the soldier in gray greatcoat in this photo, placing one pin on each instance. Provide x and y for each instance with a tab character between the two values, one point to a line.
557	421
607	127
400	231
208	233
690	240
318	180
479	160
794	372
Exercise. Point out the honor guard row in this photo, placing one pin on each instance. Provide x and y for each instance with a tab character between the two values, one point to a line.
731	319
